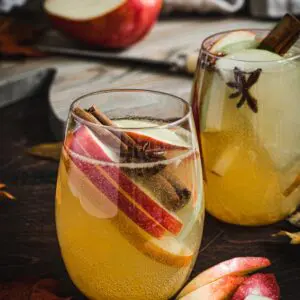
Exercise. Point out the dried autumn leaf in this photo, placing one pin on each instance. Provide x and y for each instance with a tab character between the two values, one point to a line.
47	151
14	34
15	290
294	219
46	289
5	194
294	236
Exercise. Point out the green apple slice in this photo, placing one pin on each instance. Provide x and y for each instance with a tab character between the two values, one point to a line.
225	160
234	41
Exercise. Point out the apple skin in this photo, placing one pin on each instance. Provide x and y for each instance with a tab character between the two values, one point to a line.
117	29
235	266
111	180
220	289
258	284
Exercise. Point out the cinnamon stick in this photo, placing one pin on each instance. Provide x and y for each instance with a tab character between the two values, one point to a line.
283	36
111	139
182	193
294	185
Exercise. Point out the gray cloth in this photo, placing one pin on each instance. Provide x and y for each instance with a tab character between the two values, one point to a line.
203	6
7	5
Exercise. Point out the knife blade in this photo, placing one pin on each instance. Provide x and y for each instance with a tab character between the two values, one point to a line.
181	63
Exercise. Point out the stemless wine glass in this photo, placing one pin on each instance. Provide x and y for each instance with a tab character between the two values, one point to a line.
246	108
129	201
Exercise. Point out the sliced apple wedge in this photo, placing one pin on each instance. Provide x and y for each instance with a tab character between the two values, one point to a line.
129	197
163	138
109	23
166	250
234	41
220	289
225	160
234	266
264	285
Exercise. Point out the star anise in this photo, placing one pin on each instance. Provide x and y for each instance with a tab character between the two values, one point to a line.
242	85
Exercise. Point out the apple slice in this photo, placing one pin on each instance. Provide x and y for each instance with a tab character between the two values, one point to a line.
220	289
85	143
160	138
225	160
166	250
108	23
234	266
234	41
258	284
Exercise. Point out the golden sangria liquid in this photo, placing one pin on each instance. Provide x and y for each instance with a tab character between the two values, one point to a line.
247	105
123	232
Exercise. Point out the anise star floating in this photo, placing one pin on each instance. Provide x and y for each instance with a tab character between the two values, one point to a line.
242	86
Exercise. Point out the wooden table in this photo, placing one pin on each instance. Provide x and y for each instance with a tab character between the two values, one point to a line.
29	245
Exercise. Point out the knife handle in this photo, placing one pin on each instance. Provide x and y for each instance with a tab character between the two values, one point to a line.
185	62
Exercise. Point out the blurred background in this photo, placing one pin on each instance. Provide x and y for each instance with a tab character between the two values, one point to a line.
254	8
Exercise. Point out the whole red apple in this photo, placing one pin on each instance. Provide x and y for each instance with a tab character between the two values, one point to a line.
107	23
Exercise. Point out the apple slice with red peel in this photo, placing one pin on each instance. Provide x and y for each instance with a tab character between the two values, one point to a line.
160	138
264	285
220	289
234	41
234	266
108	23
126	191
166	250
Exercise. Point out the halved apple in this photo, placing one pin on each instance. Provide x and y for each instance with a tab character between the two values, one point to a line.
108	23
234	266
234	41
166	250
220	289
119	188
258	284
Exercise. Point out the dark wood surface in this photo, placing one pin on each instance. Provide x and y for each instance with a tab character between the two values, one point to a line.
28	243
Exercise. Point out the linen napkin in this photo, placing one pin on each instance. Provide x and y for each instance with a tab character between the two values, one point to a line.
203	6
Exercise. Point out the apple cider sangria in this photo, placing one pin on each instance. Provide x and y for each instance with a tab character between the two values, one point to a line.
129	201
246	106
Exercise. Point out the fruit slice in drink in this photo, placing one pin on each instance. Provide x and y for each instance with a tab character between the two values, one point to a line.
166	250
163	138
148	213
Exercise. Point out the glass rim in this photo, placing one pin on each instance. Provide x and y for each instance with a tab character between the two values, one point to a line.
281	60
185	117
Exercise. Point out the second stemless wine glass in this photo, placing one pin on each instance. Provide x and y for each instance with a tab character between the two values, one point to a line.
129	201
247	109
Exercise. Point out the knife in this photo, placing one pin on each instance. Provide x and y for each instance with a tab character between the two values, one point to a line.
180	63
15	86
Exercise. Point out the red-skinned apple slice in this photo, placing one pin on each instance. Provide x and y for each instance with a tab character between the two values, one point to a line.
160	138
166	250
260	285
108	23
85	143
220	289
234	266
